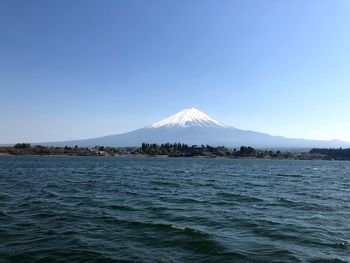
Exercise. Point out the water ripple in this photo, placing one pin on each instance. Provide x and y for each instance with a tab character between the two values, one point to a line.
90	209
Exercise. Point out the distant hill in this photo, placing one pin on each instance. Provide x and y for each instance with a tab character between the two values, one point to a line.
192	126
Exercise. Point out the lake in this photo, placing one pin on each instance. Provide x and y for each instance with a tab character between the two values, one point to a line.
142	209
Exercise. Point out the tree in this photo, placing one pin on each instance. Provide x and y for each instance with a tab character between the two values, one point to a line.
21	145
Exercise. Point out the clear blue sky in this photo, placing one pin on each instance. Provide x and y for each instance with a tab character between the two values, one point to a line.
80	69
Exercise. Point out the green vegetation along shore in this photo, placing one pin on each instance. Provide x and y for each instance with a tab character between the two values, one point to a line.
178	150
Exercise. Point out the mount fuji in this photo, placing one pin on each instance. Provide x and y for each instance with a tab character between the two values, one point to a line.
192	126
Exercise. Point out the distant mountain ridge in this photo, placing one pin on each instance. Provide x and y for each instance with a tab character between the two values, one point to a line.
192	126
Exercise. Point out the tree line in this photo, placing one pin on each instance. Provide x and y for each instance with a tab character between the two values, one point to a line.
178	150
331	153
184	150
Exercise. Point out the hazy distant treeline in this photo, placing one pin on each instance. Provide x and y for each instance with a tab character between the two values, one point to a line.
330	153
27	149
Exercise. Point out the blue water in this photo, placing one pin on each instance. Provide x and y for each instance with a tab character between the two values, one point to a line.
98	209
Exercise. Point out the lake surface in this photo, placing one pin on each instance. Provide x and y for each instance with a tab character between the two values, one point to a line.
100	209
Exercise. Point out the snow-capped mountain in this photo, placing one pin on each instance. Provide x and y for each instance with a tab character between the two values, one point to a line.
187	118
192	126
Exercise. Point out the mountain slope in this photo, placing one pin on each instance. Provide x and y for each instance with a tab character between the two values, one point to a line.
192	126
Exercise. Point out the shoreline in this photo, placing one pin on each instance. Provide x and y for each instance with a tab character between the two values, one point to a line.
177	150
167	156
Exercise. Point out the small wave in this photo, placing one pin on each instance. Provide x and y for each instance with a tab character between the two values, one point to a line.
190	231
289	175
342	244
49	194
159	226
66	254
161	183
209	180
51	185
239	197
23	204
303	205
4	216
328	260
5	197
318	169
284	231
181	172
131	192
269	253
43	214
157	208
191	200
122	207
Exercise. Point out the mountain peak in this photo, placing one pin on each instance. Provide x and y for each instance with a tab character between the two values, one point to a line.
187	118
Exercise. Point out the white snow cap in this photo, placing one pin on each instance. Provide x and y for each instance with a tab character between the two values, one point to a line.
187	118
